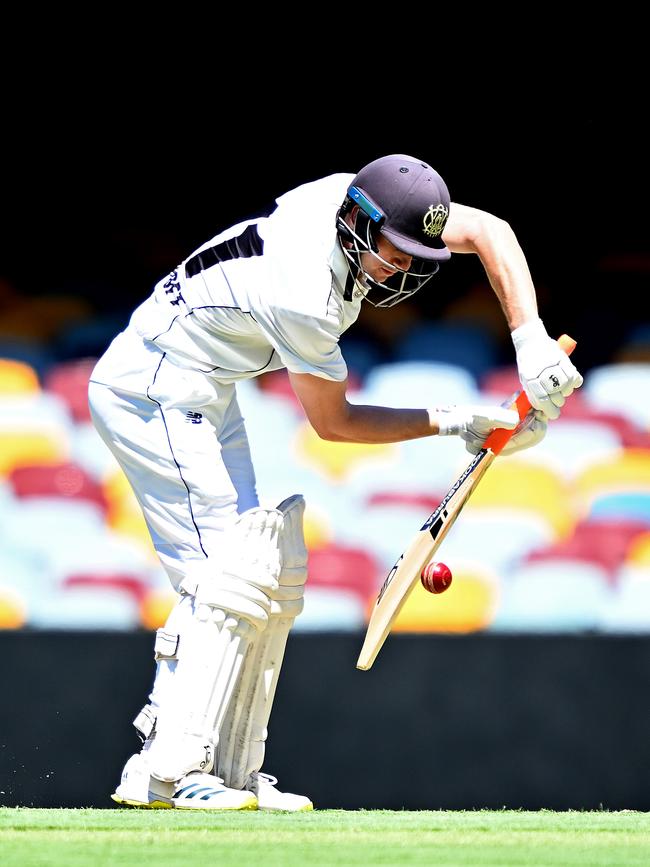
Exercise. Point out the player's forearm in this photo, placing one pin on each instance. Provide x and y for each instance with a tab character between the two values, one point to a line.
511	281
377	424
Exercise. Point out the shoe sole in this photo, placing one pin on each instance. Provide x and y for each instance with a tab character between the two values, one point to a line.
151	805
306	809
249	805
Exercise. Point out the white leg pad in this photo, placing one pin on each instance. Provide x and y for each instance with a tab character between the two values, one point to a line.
229	614
244	731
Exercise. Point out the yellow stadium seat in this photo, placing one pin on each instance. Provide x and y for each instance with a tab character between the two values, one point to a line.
124	514
629	471
17	378
336	460
156	607
30	447
530	488
317	528
12	609
639	553
467	606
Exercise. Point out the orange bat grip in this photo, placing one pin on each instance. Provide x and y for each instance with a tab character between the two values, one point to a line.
499	437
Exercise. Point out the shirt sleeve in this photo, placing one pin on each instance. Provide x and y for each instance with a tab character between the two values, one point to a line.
305	344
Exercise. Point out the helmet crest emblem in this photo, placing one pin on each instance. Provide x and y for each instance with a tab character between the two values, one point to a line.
434	220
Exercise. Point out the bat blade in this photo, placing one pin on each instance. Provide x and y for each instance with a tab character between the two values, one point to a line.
405	574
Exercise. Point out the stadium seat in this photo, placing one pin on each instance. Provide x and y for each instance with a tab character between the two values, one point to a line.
344	568
276	383
499	536
639	551
17	378
89	451
627	472
500	383
360	355
603	542
414	383
132	584
317	528
89	337
635	346
629	610
330	610
553	596
40	318
534	489
65	480
69	381
461	344
30	447
335	460
36	355
630	433
34	411
13	614
156	606
467	606
124	512
27	572
571	447
86	609
621	388
633	506
421	467
383	530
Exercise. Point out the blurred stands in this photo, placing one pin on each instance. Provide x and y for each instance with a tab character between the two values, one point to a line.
555	539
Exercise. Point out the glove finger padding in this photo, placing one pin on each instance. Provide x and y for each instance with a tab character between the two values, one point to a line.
546	372
532	431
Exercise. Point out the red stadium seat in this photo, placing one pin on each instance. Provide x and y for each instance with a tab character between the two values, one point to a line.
69	381
500	382
426	502
578	409
344	568
132	585
605	543
61	480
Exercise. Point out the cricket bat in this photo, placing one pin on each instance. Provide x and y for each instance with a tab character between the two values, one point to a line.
405	574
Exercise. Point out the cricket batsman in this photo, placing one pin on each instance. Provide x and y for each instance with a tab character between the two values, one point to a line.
272	292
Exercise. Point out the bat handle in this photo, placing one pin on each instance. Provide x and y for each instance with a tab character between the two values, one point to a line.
500	437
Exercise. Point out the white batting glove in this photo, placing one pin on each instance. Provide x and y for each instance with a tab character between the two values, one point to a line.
547	374
533	430
473	423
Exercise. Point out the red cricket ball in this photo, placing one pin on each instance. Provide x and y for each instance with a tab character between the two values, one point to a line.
436	577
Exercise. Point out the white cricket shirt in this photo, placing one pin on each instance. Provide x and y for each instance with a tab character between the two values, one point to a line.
264	294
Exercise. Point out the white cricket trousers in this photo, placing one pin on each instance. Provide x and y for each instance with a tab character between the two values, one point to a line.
179	436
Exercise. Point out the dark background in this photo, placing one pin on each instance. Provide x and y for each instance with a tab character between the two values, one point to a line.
106	190
439	722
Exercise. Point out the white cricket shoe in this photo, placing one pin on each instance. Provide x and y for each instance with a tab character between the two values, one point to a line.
138	789
195	791
199	791
269	798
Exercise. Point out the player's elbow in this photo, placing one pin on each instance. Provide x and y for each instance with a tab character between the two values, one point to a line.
326	431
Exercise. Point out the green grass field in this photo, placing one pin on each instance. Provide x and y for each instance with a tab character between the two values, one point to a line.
95	838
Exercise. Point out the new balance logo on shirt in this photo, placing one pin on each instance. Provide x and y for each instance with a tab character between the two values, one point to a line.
193	417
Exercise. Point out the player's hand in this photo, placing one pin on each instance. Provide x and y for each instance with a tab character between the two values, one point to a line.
473	423
532	431
547	374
